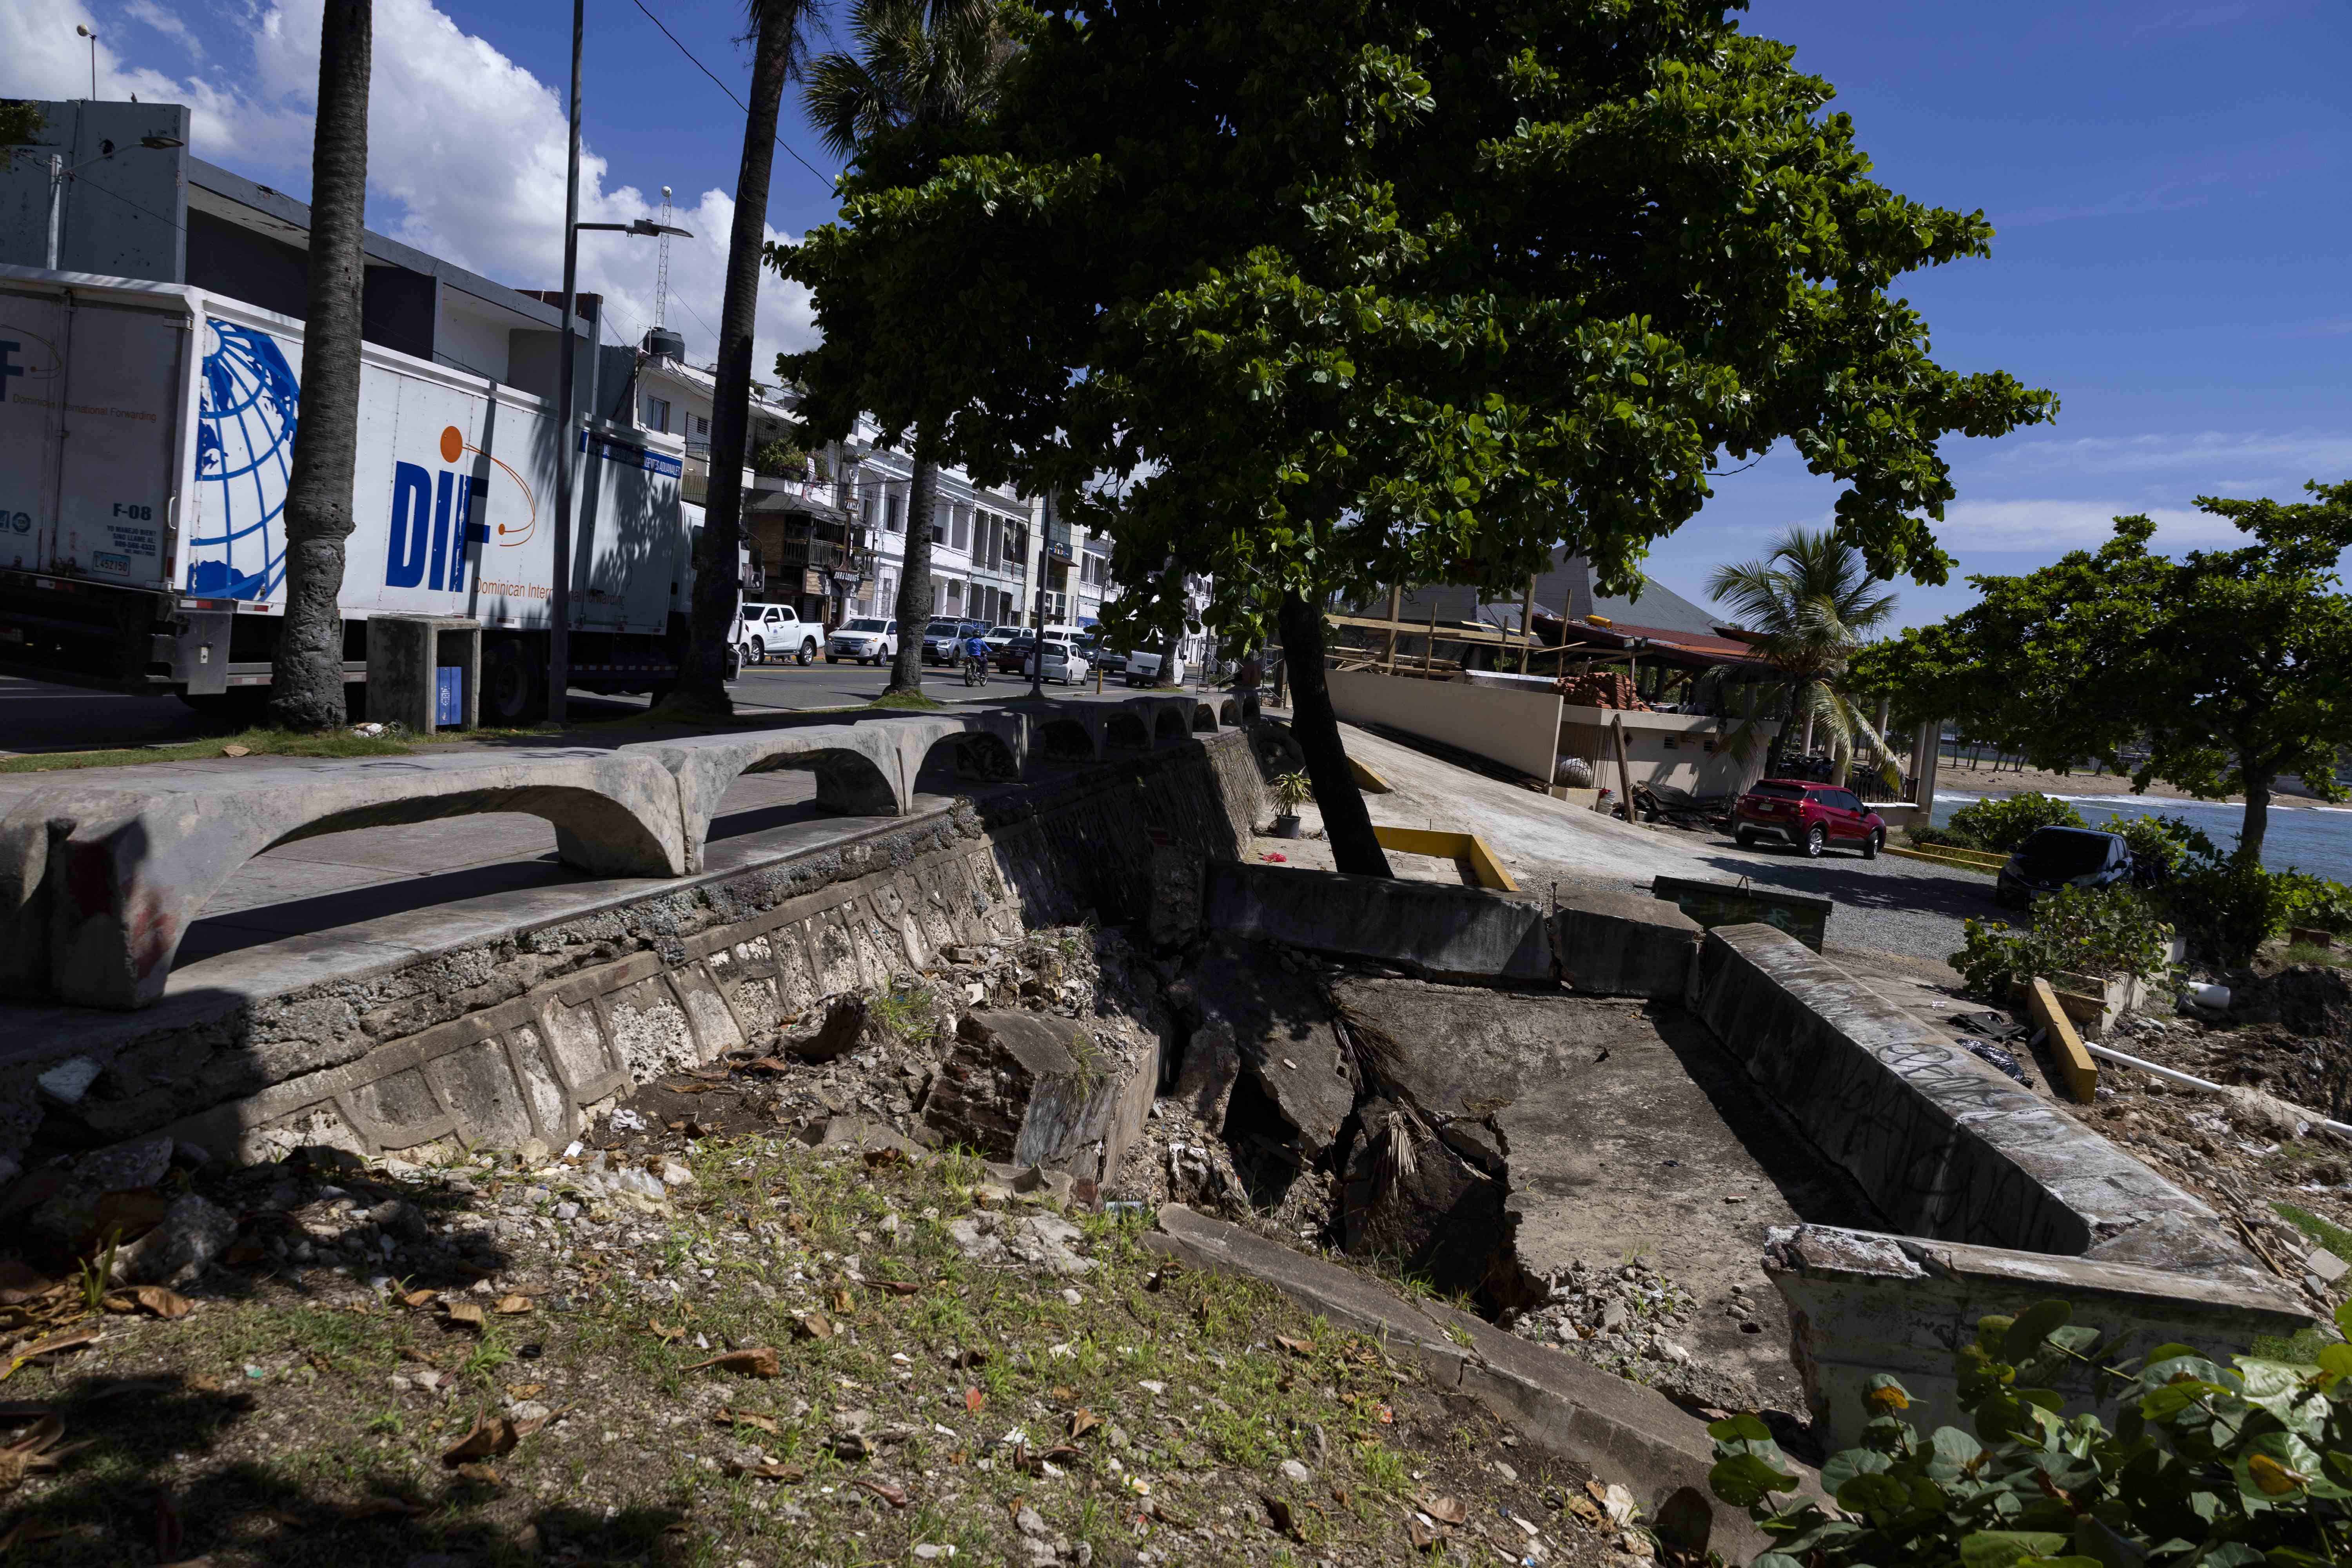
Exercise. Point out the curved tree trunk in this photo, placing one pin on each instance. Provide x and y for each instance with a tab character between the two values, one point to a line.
718	578
305	673
2257	822
914	609
1346	823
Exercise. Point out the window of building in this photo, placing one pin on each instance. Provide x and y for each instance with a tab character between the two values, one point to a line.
962	537
897	514
939	523
658	414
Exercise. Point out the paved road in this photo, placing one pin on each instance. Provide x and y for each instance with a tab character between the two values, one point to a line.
35	716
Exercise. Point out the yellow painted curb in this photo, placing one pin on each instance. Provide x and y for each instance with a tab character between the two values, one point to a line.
1367	780
2075	1063
1445	845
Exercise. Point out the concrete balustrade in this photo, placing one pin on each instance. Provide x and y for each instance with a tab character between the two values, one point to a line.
98	883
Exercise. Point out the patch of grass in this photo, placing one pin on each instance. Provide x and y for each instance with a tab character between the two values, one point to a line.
2312	953
2334	1238
911	701
2302	1348
259	742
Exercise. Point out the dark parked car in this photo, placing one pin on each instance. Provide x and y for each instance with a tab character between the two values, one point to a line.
2056	858
1108	660
1814	817
1012	658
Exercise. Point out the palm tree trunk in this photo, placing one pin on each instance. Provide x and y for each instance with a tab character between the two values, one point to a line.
1347	824
914	610
718	579
306	672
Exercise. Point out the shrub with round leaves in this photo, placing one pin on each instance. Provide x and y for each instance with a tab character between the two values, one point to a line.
2207	1467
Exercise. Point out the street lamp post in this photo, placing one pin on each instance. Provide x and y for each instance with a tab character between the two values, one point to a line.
559	604
91	34
59	174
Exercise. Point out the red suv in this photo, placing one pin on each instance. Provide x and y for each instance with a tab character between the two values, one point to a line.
1814	817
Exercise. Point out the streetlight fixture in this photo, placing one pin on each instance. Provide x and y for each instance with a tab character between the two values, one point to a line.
59	173
559	637
91	34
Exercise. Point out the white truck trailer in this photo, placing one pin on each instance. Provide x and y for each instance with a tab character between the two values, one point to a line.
146	435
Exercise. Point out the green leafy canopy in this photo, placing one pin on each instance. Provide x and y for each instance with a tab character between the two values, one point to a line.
1333	294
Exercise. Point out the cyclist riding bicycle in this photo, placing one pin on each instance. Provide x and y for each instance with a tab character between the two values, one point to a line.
975	654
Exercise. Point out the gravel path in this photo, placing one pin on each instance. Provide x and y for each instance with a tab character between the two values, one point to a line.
1906	907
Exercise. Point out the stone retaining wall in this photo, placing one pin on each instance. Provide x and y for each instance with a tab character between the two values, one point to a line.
525	1033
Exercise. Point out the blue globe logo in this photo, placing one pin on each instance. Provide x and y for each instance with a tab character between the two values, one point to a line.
250	403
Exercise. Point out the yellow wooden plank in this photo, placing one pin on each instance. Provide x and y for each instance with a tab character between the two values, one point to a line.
2074	1064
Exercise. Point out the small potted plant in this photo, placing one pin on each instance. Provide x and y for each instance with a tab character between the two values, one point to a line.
1291	791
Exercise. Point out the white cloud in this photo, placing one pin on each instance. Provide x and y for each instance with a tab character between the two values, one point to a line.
466	151
2260	457
2053	527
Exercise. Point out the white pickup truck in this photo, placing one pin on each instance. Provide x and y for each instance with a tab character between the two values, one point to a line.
777	631
146	436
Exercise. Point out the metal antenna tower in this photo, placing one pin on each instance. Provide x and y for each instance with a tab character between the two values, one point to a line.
661	277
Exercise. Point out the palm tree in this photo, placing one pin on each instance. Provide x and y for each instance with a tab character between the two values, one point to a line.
1812	604
306	671
779	32
916	62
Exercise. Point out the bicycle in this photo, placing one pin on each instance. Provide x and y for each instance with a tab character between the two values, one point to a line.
975	671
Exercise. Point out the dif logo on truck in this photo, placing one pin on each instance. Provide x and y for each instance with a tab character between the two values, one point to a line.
433	521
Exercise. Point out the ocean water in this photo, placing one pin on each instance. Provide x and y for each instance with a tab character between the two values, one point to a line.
2301	837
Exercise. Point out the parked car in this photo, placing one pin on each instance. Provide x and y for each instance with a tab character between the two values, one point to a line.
1013	654
1814	817
2056	858
868	639
1104	658
776	631
943	640
1156	664
997	637
1064	662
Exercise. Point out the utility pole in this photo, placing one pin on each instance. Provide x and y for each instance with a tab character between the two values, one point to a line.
1045	566
558	634
93	36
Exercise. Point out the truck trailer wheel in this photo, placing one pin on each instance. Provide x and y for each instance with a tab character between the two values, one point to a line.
514	686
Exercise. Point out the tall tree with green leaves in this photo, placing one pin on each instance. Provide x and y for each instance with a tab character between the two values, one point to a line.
1311	298
779	36
2232	667
926	66
1813	606
306	671
20	121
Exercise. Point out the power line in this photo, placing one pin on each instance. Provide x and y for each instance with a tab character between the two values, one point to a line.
729	92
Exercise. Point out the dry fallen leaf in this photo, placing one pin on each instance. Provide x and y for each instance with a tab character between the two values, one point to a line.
758	1362
234	750
525	1389
1420	1535
479	1474
974	1401
1446	1510
1083	1422
844	1303
530	1424
468	1313
491	1437
510	1306
152	1298
663	1332
899	1287
766	1064
725	1417
969	1358
52	1344
769	1470
852	1445
1296	1347
812	1326
1582	1507
420	1298
895	1496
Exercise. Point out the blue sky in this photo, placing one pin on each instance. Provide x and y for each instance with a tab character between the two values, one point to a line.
2169	183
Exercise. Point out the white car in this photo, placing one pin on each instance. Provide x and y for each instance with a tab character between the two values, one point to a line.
777	631
997	637
868	639
1153	665
1064	662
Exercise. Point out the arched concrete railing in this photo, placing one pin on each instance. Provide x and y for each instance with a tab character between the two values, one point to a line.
1066	736
864	768
1204	718
98	885
1229	713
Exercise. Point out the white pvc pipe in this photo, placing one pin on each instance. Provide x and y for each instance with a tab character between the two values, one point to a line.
2185	1081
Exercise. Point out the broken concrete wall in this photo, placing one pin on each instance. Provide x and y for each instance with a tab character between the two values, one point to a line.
522	1023
1043	1092
1430	929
